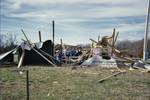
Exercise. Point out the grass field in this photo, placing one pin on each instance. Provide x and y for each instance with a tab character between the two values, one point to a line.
63	83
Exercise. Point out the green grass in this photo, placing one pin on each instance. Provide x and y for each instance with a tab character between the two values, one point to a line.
63	83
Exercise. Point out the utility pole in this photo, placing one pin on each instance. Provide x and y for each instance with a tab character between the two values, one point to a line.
53	29
145	53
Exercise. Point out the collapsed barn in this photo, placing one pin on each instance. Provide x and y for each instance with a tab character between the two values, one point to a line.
102	53
27	56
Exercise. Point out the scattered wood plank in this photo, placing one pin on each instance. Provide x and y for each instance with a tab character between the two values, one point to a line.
102	80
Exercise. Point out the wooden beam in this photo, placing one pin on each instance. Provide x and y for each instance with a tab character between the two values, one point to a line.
21	59
93	41
102	80
43	57
48	55
116	37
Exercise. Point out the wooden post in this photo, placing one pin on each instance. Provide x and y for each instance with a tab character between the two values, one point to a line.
53	29
40	40
61	50
27	83
113	40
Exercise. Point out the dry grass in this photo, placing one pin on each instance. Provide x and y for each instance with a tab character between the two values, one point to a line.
63	83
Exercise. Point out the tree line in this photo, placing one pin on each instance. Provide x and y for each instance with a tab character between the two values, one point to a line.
7	42
134	48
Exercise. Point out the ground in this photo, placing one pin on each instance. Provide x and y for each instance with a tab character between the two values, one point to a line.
65	83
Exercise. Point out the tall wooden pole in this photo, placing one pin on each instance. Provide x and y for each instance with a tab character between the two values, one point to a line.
27	84
40	40
53	29
145	53
61	50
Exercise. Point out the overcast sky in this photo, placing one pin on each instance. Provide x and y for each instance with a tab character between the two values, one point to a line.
75	20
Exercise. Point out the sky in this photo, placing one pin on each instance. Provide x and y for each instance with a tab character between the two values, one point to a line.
75	20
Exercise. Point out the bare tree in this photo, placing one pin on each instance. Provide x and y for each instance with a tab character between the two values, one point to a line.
7	42
1	42
11	40
135	48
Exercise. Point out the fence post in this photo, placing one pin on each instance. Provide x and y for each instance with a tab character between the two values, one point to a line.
27	83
